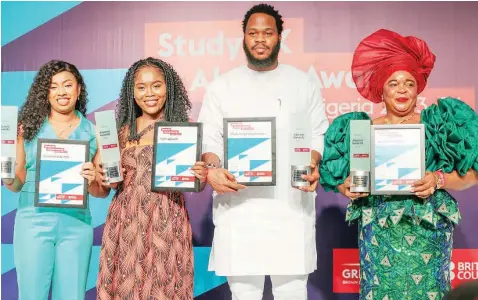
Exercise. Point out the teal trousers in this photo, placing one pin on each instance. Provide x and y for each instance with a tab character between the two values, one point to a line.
51	248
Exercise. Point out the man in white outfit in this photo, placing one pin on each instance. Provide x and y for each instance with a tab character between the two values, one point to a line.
263	230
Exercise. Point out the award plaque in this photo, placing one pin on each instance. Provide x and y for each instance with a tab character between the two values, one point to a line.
360	155
9	141
398	158
108	145
177	147
250	150
58	182
300	143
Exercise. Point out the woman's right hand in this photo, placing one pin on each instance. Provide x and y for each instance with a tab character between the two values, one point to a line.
104	180
8	181
344	189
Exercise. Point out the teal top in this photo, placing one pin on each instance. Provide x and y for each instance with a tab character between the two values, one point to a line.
84	131
451	143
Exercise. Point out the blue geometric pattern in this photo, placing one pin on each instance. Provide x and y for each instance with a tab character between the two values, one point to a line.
181	168
385	154
48	168
237	146
165	151
402	172
32	14
65	187
204	280
257	163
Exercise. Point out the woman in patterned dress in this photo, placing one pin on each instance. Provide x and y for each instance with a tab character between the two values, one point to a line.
405	242
146	251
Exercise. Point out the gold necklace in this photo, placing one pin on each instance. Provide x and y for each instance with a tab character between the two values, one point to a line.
66	128
61	132
401	121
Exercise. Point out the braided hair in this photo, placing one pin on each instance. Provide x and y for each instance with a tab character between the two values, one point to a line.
37	107
176	106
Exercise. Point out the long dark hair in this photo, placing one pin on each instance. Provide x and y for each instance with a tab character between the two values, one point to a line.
37	107
176	107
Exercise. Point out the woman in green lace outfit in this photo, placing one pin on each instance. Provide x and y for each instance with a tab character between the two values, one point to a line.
405	242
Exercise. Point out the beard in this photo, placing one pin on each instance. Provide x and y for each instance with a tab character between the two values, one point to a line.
265	62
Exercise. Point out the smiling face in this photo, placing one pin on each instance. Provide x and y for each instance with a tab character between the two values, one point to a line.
150	91
400	93
64	92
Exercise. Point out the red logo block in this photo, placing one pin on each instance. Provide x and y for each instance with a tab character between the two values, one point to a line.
464	266
346	271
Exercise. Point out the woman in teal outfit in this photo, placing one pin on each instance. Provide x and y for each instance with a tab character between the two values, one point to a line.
52	245
405	242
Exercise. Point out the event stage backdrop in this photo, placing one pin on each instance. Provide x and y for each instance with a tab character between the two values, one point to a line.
203	40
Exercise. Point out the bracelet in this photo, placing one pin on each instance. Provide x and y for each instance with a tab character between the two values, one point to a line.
439	178
7	184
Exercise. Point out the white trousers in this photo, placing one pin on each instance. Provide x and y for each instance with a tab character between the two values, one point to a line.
284	287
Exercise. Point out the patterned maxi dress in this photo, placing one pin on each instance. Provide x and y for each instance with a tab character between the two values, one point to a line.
146	251
405	243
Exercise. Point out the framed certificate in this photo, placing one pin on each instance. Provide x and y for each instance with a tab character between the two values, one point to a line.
397	158
177	147
250	150
58	182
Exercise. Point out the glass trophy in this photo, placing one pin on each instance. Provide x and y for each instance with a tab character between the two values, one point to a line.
300	148
360	156
9	141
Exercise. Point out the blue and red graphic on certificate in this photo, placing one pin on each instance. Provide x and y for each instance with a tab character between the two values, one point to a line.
176	150
60	182
249	151
398	161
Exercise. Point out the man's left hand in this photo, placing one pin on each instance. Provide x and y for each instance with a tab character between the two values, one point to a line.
313	178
